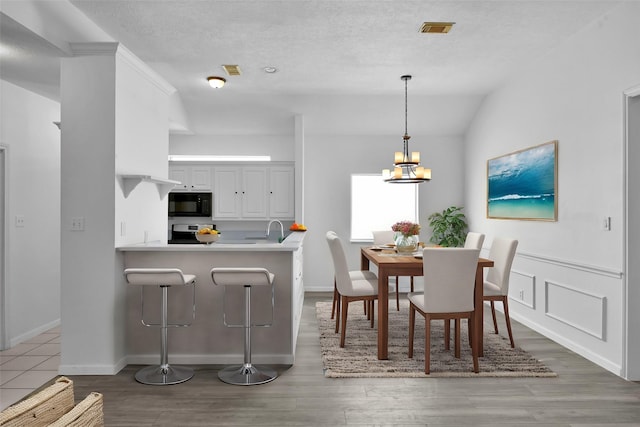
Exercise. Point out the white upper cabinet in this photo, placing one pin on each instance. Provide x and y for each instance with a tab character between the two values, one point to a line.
227	193
253	192
281	192
193	178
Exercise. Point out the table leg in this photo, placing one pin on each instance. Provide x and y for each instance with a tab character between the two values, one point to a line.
383	313
479	312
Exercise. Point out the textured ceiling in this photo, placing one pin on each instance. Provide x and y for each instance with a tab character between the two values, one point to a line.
327	51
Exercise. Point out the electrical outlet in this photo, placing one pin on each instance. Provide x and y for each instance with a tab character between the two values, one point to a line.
77	223
521	295
20	221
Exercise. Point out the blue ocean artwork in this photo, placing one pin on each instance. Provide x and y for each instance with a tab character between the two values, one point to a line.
522	185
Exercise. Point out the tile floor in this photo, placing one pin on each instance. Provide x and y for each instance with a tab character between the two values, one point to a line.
27	366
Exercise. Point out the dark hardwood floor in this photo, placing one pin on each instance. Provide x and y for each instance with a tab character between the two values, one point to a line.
582	395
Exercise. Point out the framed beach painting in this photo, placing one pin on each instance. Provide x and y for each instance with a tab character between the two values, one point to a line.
524	185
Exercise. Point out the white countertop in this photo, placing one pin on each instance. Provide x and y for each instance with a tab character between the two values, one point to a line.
290	244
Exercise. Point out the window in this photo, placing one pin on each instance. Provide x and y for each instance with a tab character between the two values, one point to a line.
377	205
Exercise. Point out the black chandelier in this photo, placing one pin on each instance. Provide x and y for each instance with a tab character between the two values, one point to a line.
407	169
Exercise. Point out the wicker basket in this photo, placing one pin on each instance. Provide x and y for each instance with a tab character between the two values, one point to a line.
41	409
87	413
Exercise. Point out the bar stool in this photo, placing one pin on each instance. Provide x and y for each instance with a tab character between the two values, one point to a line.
247	374
162	374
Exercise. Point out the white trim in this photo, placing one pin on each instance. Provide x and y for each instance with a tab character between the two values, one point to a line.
4	265
627	94
115	48
33	333
557	316
571	345
594	269
94	369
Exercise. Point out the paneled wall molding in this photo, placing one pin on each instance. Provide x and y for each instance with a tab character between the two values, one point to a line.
560	304
523	289
594	269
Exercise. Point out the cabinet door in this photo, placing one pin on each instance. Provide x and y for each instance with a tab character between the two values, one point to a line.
226	194
281	193
179	173
254	192
200	178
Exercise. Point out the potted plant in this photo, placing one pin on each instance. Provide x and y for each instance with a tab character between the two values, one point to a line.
449	227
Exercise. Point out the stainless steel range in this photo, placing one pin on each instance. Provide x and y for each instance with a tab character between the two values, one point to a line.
186	233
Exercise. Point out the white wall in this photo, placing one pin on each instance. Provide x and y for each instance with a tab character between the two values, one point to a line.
279	147
114	120
329	163
33	185
569	271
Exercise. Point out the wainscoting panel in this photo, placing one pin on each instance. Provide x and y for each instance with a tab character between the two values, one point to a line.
579	309
522	288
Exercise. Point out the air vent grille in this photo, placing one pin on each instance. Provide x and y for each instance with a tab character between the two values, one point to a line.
436	27
232	70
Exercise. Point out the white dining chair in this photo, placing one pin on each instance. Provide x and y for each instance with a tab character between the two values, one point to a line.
496	283
355	275
349	289
474	240
448	294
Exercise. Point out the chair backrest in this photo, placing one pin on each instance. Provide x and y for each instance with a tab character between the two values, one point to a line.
474	240
343	279
502	252
449	279
381	237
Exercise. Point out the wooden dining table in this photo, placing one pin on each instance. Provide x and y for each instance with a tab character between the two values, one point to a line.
390	263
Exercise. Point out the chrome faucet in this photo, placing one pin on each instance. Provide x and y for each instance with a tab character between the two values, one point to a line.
281	228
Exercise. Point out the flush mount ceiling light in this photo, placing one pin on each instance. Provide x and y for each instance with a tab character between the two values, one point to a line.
407	169
216	82
270	70
436	27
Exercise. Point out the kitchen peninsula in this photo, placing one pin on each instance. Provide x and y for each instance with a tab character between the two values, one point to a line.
207	340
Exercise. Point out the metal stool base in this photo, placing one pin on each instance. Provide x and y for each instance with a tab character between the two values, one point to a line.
156	375
247	374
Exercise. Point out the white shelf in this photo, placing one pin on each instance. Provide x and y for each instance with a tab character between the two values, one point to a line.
131	181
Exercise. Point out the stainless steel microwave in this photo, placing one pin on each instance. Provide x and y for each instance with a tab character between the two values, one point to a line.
190	204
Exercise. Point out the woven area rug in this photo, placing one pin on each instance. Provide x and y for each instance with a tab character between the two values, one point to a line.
358	359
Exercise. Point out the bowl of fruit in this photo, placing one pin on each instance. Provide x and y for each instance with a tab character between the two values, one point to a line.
298	227
207	235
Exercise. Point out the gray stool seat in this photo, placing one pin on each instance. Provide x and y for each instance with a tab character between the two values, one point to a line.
162	374
247	373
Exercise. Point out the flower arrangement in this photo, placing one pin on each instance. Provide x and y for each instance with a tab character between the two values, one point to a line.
406	228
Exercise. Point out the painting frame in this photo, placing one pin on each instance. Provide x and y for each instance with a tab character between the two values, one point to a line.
523	185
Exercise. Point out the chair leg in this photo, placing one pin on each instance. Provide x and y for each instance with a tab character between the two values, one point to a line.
427	344
447	333
397	294
338	303
493	314
345	309
412	284
334	303
412	323
508	320
474	349
469	334
456	337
